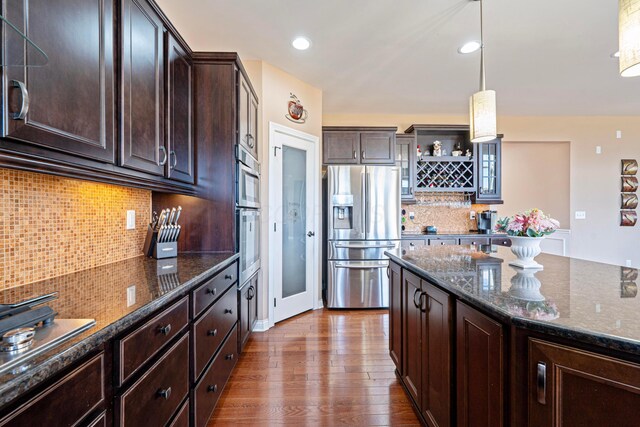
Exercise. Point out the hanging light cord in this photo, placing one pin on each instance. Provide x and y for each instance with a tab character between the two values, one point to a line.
482	75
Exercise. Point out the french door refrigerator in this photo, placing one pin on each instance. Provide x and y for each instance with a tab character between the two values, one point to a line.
363	221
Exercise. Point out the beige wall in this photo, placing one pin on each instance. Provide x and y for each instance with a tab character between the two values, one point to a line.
594	178
546	186
273	87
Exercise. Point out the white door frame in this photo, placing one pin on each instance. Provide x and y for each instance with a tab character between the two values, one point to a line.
274	129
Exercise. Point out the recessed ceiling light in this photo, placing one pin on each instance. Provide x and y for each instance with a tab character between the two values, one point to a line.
470	47
301	43
615	54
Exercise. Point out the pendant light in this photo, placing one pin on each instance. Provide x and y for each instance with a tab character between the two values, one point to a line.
482	104
629	28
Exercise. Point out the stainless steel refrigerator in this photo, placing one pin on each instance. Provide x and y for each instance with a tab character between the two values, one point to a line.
363	221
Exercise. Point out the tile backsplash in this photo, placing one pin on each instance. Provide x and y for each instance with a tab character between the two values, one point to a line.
452	218
50	226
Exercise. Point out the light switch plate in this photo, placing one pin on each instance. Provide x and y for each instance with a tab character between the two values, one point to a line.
131	295
619	134
581	215
628	263
598	150
131	220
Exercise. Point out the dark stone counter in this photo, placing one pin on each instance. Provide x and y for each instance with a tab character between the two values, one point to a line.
100	293
585	301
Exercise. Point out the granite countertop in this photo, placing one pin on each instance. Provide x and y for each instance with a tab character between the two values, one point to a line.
576	299
100	293
446	233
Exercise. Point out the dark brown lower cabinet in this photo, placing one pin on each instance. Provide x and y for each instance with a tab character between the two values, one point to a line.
427	339
182	419
479	369
247	310
206	393
395	315
571	387
70	400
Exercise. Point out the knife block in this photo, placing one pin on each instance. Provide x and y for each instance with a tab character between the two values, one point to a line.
157	250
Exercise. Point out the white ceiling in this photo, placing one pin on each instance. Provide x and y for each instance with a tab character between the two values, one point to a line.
544	57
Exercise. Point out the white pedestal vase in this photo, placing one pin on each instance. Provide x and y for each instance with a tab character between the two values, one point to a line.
526	249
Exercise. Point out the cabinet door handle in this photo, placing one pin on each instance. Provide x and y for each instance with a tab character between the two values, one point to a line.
362	154
164	151
541	383
228	276
414	298
213	388
426	298
164	330
165	393
24	105
212	332
388	271
410	190
229	356
211	291
251	293
228	311
174	157
355	156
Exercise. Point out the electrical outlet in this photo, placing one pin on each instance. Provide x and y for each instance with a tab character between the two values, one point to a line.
472	215
619	134
581	215
597	308
131	220
598	150
131	295
628	263
412	215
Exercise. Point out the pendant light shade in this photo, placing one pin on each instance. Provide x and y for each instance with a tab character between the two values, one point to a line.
482	104
629	26
482	116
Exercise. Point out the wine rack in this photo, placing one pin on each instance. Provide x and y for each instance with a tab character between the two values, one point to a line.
453	174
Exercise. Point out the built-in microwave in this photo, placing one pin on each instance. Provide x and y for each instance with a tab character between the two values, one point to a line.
249	233
248	179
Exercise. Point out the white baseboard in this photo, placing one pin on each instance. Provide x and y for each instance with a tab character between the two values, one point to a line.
261	326
319	304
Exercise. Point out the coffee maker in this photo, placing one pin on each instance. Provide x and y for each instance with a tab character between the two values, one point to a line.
487	221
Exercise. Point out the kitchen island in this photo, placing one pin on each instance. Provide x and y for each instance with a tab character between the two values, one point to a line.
478	342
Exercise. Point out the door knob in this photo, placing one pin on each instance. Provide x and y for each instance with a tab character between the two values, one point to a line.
311	234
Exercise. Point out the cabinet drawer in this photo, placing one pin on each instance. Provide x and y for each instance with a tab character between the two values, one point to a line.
209	389
209	331
442	242
213	288
501	241
475	241
412	243
140	345
70	399
182	419
155	397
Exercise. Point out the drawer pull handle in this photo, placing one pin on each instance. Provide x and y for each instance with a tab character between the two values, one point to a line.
229	356
211	291
212	332
228	311
166	393
213	388
164	330
541	383
228	276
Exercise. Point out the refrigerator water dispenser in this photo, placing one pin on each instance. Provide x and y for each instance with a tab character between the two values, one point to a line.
342	211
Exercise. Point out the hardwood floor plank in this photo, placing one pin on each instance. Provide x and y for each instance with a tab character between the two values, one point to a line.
324	368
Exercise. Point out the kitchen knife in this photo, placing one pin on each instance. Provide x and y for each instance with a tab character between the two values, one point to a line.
162	219
171	216
175	221
154	220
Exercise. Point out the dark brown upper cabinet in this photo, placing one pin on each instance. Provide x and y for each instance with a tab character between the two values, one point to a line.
359	145
247	117
180	165
142	108
488	171
68	104
406	161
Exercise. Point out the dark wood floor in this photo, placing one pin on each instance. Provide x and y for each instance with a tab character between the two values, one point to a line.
320	368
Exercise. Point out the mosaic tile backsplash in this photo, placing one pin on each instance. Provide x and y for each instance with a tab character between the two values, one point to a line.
50	226
453	218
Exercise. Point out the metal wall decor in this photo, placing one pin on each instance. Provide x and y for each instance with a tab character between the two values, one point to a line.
628	284
297	113
629	167
628	196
